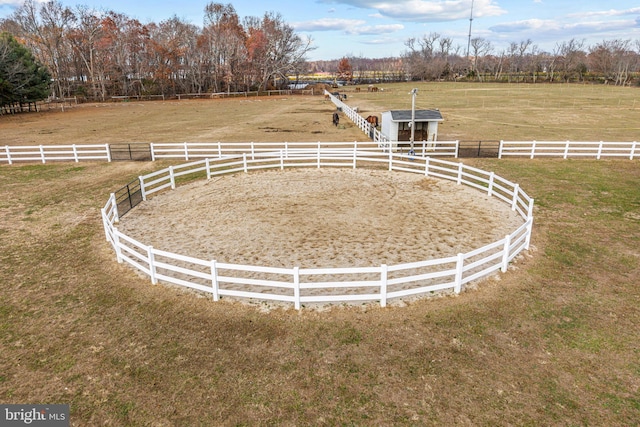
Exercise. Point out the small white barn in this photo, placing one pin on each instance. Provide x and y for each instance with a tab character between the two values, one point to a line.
396	125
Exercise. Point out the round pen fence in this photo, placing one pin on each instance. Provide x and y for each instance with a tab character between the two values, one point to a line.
300	286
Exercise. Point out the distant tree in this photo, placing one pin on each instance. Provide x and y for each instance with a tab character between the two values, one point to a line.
23	79
480	48
44	27
428	58
345	72
275	49
613	59
223	45
571	60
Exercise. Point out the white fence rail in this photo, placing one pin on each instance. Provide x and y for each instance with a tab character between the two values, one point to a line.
301	286
569	149
191	151
49	153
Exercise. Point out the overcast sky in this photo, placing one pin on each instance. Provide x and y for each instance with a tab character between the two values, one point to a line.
380	28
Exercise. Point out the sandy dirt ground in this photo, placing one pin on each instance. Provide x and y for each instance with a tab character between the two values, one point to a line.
314	218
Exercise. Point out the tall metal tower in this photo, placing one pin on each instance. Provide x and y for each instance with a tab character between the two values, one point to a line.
470	22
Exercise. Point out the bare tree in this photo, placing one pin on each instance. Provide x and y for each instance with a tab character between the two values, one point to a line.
275	49
224	41
479	48
45	26
571	59
613	59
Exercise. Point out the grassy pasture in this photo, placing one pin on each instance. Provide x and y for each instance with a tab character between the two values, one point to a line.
552	342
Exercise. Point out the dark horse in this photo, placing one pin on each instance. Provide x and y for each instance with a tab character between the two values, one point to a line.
373	120
336	119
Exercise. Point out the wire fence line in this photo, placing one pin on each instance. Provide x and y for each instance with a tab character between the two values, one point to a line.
300	286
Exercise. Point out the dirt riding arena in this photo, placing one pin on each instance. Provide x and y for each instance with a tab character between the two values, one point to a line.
315	218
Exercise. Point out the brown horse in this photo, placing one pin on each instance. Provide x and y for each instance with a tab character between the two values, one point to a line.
373	120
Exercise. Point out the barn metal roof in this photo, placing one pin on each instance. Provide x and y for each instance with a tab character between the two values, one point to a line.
421	116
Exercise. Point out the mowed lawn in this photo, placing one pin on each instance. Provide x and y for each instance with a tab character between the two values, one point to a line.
554	341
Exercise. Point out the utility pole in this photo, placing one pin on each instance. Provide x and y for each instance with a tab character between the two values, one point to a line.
470	22
413	94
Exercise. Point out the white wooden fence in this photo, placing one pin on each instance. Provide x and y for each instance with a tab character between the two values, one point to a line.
567	149
191	151
196	150
49	153
301	286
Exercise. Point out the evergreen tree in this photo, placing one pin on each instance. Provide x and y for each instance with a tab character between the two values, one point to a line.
22	78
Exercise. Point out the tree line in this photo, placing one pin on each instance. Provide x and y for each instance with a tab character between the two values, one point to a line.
99	54
435	57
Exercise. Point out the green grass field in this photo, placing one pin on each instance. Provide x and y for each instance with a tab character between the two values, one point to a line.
554	341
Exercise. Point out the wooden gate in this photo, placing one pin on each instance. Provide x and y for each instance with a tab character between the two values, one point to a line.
134	151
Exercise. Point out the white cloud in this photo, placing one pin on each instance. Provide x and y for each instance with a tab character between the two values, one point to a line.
428	10
375	29
328	24
610	12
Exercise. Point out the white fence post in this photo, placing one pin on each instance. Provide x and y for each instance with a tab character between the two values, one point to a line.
566	150
208	167
633	150
214	280
116	241
42	154
459	266
281	160
318	154
106	148
505	253
490	189
296	287
253	152
355	153
114	203
143	190
6	148
152	266
426	166
219	150
533	149
384	273
172	177
186	151
153	152
75	152
105	224
527	242
390	158
599	151
514	203
459	173
244	162
500	149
